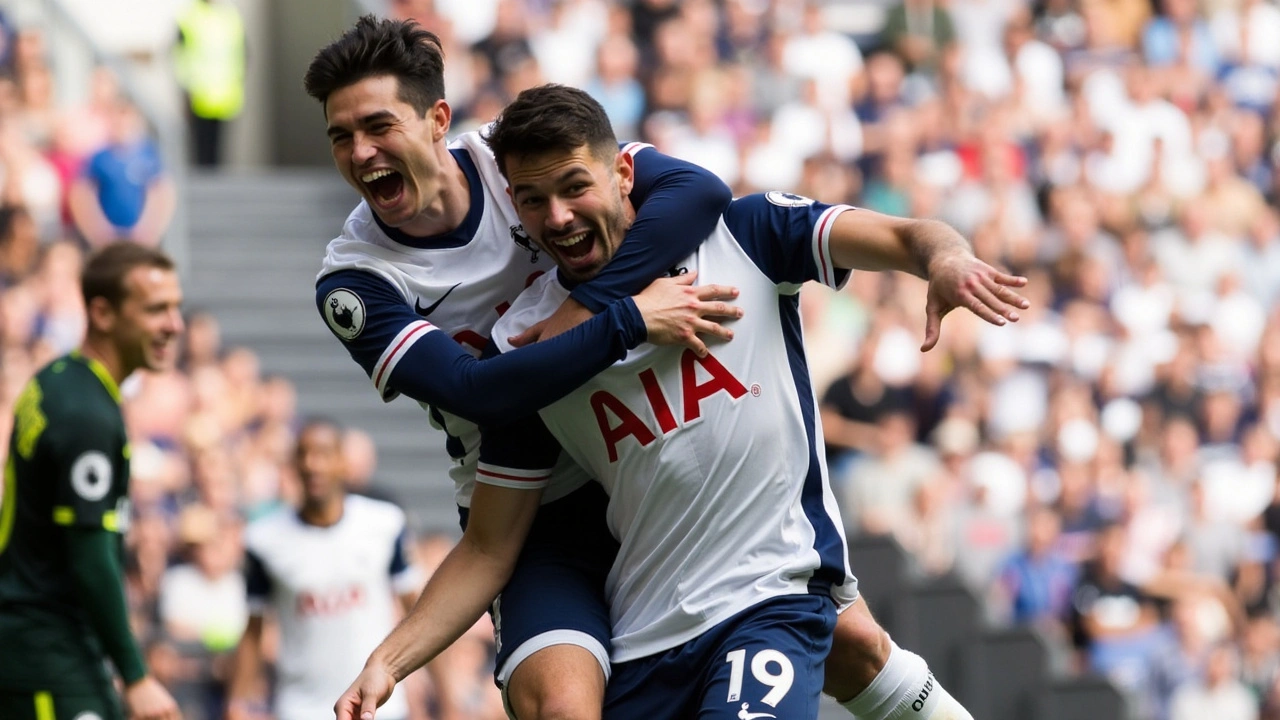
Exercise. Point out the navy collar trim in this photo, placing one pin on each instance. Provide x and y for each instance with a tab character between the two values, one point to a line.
459	236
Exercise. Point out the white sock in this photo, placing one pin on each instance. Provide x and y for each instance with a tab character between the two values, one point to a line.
905	689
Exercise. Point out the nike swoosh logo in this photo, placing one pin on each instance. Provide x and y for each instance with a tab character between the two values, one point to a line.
425	311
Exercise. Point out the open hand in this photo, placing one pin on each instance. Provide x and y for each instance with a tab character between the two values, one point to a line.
675	311
370	690
963	280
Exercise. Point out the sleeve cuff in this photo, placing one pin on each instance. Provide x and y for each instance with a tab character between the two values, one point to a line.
828	273
515	478
633	327
396	349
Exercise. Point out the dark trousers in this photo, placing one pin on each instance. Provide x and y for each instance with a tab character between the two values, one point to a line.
206	135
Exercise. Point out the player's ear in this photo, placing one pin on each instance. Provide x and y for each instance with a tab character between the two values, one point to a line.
101	315
625	167
441	115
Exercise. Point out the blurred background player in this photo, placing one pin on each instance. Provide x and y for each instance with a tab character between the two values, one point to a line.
66	505
332	573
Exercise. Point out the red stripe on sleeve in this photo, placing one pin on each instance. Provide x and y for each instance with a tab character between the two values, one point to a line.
391	359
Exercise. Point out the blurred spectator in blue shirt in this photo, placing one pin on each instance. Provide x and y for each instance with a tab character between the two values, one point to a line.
1037	581
124	191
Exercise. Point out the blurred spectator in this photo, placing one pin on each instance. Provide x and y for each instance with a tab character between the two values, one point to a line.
203	600
921	31
124	192
210	67
1219	695
880	485
1036	583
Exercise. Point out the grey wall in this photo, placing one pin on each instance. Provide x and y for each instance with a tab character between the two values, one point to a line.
298	28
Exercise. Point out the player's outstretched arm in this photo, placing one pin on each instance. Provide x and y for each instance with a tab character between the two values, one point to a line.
460	590
933	250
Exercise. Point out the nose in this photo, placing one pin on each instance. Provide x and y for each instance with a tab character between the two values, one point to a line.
559	214
175	324
362	150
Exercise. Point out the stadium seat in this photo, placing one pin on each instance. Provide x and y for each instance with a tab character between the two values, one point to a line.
880	565
938	620
1085	698
1001	673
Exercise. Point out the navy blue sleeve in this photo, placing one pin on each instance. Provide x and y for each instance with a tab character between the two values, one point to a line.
677	204
404	354
787	236
520	455
399	558
257	584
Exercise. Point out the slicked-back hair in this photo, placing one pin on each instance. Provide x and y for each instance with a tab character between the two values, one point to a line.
376	47
551	118
105	271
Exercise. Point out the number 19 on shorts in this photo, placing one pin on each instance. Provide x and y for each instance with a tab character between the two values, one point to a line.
769	667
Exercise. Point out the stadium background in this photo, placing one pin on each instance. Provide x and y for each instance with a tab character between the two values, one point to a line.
1088	494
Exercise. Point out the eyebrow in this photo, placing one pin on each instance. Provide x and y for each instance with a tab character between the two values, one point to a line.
369	119
561	178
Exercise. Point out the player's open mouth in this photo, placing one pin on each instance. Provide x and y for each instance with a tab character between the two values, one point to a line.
385	185
572	247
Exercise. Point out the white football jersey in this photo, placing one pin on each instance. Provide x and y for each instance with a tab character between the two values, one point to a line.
333	591
718	488
459	283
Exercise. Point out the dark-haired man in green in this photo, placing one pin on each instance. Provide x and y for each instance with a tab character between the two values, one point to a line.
65	505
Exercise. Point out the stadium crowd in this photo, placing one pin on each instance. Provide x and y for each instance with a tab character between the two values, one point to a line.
1104	470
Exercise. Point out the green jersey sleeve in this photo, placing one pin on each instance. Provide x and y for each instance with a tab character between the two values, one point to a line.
89	470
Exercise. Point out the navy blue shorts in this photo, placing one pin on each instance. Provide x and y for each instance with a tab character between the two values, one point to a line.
556	594
765	662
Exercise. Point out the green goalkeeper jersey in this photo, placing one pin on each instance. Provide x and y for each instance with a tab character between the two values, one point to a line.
67	467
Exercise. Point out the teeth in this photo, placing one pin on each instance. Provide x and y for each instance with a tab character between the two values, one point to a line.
370	177
571	240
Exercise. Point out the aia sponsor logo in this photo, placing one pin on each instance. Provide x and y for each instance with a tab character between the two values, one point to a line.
331	601
618	422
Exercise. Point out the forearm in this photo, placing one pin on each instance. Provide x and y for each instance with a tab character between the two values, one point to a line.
87	215
459	592
248	663
96	571
157	212
496	389
865	240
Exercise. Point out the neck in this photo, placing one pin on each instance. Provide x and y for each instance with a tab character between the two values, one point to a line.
445	210
97	347
323	513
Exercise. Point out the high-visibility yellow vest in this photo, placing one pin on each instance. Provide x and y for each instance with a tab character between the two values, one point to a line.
211	59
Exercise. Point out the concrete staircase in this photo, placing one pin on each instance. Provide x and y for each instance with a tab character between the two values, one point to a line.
256	244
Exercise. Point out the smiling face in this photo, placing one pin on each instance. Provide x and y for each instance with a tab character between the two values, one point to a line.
146	325
385	150
574	205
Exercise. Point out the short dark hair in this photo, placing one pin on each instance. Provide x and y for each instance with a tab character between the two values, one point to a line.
374	47
106	269
551	118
